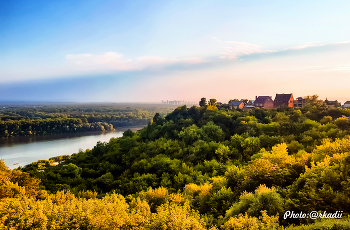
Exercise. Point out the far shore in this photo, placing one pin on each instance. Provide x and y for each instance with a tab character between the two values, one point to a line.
48	137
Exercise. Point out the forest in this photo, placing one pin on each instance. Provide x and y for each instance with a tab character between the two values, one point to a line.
74	118
203	167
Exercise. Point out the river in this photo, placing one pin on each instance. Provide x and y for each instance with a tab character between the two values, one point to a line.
20	151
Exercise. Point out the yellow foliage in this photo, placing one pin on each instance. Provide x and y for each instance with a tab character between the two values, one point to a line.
156	194
279	156
155	197
269	163
246	196
22	213
177	198
140	214
176	217
112	212
10	190
262	189
303	158
245	222
326	119
64	211
201	190
87	194
242	223
218	182
24	179
212	107
331	160
261	168
268	222
330	147
14	183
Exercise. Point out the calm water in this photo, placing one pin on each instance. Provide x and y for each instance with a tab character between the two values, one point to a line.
25	150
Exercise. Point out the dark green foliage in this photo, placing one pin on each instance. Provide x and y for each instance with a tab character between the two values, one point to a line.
44	120
203	102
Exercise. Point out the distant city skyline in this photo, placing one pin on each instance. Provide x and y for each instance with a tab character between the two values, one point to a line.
145	51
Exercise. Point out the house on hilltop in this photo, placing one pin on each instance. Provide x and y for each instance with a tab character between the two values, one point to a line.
236	104
283	100
265	102
332	104
299	102
346	104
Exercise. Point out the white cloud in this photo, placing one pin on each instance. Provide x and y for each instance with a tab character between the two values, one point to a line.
217	39
317	68
108	61
306	45
314	44
116	61
331	68
234	49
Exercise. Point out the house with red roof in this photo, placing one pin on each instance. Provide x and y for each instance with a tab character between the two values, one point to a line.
235	104
283	100
265	102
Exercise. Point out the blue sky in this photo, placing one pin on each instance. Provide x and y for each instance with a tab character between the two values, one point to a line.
148	51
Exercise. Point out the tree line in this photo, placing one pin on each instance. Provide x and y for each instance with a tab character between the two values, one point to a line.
24	121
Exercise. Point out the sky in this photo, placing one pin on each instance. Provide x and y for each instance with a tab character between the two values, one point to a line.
148	51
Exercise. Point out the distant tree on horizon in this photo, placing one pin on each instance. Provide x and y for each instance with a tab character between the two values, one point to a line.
212	102
203	102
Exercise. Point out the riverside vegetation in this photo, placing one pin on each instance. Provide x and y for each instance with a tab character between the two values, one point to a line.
198	168
74	118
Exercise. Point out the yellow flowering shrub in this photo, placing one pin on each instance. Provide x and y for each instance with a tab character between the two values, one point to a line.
201	190
245	222
218	182
171	216
157	196
241	223
177	198
65	211
9	189
330	147
14	182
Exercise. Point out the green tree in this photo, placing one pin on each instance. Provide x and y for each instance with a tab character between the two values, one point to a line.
70	170
263	198
245	101
342	122
190	134
212	102
312	100
203	102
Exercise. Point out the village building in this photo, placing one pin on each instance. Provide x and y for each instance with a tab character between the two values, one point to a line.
332	104
236	104
283	100
246	107
299	102
346	105
265	102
